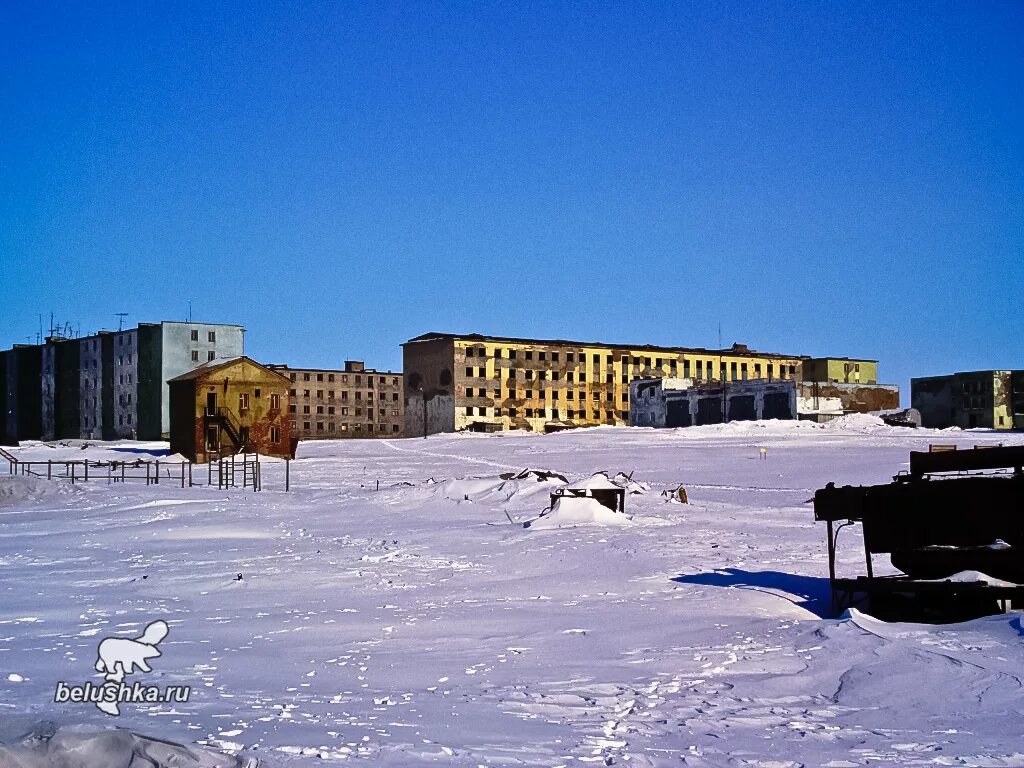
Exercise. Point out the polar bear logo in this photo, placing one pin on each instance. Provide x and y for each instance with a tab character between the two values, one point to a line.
121	656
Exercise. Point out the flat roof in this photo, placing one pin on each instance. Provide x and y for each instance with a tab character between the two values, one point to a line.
283	366
740	351
835	357
981	372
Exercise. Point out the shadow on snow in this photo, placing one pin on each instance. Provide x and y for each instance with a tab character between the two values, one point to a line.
811	593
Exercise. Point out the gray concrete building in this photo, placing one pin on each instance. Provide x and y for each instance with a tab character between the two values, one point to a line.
354	401
20	394
113	384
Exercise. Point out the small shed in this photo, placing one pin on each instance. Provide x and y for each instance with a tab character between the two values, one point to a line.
598	487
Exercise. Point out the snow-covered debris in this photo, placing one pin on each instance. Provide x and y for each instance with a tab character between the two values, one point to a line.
575	511
87	746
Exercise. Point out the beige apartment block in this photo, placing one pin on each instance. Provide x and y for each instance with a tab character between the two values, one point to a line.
332	404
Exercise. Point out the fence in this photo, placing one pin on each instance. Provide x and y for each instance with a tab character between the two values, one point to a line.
224	472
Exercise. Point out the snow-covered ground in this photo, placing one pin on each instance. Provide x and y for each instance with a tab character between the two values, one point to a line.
421	622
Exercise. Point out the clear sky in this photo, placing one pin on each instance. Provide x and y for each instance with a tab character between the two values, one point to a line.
841	178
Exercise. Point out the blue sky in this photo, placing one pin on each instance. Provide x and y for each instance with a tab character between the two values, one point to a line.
816	178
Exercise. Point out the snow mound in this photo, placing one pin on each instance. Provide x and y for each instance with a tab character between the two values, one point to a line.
95	747
19	489
575	511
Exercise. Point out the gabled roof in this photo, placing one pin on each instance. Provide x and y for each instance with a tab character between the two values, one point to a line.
224	362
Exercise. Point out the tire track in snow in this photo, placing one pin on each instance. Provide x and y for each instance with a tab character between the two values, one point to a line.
468	459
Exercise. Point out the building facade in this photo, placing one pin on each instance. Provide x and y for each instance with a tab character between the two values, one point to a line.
20	394
228	406
673	402
112	385
355	401
970	399
455	382
839	370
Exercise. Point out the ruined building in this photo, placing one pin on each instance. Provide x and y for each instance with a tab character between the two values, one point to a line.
470	381
227	406
351	402
969	399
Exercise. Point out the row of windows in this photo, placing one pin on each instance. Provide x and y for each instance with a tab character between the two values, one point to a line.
209	355
571	357
333	428
211	336
570	394
93	362
343	393
732	372
381	380
542	413
382	412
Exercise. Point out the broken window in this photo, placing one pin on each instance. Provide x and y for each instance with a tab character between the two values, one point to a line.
554	375
529	354
195	355
469	351
195	337
211	336
568	376
529	374
569	357
305	409
210	355
469	372
243	401
583	376
511	354
554	357
541	356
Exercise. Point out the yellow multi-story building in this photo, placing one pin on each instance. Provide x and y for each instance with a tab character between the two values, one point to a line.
455	382
840	370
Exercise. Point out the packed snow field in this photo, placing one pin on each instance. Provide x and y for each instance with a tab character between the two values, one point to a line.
393	608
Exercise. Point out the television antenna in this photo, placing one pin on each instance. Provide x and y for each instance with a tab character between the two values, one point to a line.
120	320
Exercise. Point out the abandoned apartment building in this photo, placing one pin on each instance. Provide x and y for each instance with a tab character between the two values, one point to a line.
339	403
109	385
970	399
490	383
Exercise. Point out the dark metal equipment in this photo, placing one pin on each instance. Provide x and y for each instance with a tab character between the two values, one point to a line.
935	525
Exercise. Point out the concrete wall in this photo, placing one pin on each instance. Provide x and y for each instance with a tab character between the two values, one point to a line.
20	394
831	399
90	387
428	373
181	353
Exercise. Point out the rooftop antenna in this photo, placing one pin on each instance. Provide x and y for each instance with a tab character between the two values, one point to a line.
719	334
120	320
190	311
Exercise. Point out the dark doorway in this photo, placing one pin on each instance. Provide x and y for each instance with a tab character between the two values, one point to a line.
212	438
776	406
678	414
709	410
742	408
211	403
